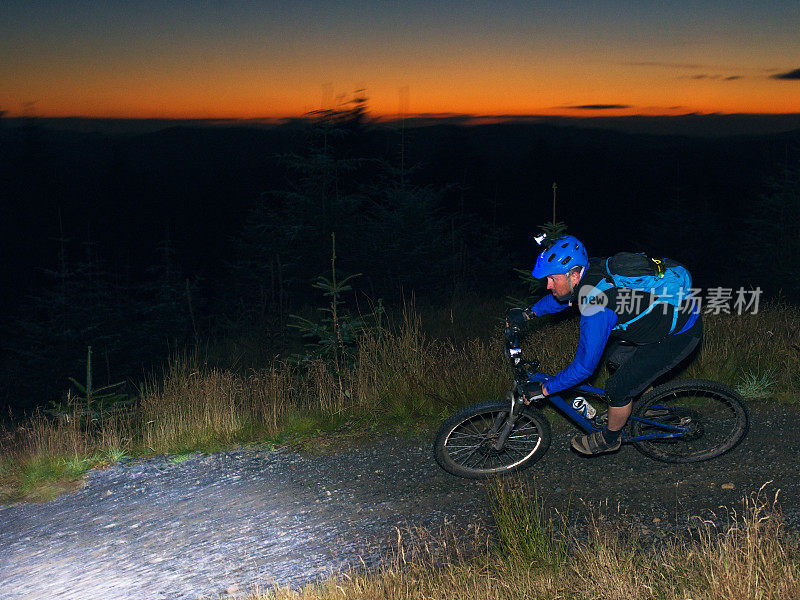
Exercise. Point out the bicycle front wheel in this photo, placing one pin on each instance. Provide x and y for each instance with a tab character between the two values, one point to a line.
706	417
464	444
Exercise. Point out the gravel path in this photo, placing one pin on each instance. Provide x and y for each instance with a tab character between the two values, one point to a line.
218	523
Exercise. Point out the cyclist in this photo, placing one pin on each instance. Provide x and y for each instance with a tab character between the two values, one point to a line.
641	347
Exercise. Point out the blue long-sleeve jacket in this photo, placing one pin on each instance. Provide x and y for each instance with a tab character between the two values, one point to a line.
595	330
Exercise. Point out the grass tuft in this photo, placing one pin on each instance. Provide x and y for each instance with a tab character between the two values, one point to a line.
527	534
757	386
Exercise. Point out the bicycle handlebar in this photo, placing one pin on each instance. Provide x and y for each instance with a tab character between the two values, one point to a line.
512	337
514	353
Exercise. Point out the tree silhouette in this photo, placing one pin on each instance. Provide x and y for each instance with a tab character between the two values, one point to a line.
772	235
283	244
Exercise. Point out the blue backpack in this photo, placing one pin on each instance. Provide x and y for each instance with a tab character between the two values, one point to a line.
669	281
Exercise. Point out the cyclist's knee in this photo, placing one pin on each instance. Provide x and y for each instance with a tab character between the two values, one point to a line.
615	396
618	355
619	402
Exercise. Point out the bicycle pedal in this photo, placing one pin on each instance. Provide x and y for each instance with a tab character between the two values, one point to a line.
657	412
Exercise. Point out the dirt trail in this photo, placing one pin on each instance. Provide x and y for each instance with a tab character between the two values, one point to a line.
214	523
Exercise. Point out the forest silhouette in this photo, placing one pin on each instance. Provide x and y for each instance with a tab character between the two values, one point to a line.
143	243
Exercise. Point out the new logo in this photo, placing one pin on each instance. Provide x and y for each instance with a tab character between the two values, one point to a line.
591	301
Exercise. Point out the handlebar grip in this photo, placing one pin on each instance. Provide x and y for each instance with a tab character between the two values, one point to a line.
512	337
531	365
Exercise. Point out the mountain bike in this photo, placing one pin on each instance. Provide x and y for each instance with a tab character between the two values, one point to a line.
681	421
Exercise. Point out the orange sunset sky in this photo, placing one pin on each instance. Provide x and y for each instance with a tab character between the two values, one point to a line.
281	59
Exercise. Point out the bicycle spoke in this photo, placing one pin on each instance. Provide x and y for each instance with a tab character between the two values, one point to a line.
690	424
470	455
467	438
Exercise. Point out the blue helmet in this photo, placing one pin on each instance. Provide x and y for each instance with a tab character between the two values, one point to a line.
565	253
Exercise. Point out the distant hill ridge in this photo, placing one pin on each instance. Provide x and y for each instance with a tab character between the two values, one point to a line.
699	125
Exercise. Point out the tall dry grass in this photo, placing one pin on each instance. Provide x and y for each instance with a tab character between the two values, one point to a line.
764	346
193	404
42	457
752	556
400	374
400	378
69	435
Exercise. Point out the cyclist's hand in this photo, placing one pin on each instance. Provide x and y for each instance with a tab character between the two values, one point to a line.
531	392
518	317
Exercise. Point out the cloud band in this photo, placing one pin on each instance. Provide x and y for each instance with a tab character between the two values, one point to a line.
795	74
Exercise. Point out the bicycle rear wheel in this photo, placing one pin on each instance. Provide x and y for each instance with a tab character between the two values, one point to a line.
712	416
464	444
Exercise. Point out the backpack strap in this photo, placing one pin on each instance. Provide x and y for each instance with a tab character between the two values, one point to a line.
674	319
692	317
624	326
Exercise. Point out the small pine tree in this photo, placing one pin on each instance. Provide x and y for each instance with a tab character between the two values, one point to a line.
552	230
334	334
532	285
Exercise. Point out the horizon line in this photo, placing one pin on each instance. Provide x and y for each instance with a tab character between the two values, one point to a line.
391	117
692	124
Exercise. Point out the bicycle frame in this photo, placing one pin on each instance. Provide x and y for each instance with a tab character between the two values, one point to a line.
586	425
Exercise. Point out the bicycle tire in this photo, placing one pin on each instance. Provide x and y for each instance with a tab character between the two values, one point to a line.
463	444
714	413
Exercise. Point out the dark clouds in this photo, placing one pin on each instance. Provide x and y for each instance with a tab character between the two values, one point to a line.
717	77
789	75
598	106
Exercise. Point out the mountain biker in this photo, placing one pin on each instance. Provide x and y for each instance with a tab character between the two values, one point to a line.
639	351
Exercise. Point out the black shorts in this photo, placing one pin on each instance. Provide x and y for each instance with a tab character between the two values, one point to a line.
636	367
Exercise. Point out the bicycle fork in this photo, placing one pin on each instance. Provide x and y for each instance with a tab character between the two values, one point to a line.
506	421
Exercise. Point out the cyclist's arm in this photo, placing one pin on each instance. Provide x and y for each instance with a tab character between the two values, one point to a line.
547	305
595	330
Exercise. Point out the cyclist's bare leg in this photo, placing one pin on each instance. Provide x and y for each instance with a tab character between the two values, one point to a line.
618	416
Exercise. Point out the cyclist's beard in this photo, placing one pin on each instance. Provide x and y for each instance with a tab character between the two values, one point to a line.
568	296
564	297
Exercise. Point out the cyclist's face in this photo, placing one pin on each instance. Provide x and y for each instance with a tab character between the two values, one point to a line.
559	284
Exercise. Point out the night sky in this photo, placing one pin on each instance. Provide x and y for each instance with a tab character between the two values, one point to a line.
282	59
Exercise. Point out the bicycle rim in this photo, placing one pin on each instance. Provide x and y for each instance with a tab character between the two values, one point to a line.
469	444
707	417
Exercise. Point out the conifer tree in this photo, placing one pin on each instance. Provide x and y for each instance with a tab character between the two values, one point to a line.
282	246
772	236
